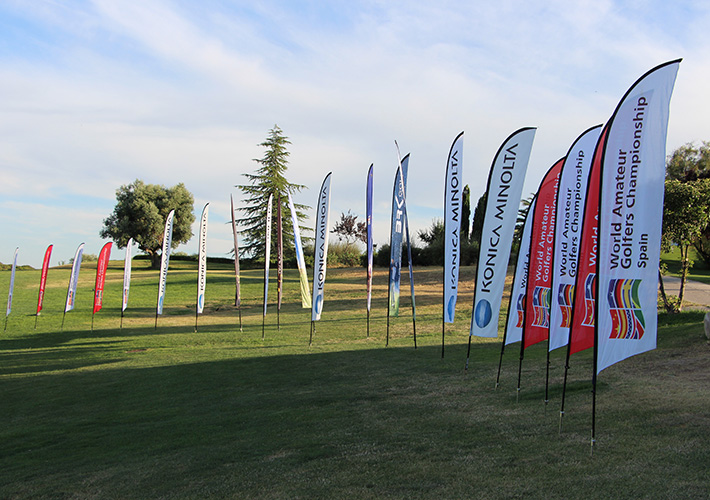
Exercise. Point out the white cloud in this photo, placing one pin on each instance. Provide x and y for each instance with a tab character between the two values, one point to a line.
170	92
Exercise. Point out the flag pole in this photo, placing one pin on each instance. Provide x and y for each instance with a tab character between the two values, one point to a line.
411	279
389	297
500	362
520	364
547	374
564	383
594	396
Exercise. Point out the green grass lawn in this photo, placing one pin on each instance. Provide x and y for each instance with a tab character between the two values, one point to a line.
145	412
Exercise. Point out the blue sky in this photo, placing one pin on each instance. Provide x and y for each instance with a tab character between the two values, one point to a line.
98	93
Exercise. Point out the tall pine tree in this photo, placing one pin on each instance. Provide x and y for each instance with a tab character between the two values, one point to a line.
269	179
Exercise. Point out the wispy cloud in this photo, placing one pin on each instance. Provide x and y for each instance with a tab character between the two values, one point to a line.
99	93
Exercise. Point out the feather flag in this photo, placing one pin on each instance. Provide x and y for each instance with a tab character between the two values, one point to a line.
300	260
516	306
321	248
452	226
126	275
571	195
12	286
43	279
582	322
630	218
279	256
202	261
74	279
397	233
504	191
101	267
368	218
539	286
267	250
237	298
164	263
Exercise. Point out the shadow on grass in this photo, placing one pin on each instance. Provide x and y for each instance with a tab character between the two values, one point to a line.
365	423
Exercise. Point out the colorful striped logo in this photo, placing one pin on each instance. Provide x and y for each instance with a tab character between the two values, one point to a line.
625	309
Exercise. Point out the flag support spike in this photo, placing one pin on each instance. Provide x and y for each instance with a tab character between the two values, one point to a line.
310	340
468	354
5	329
63	317
263	326
196	316
240	317
368	323
121	324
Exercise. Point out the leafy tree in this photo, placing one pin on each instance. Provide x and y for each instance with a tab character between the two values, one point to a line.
433	237
686	211
478	216
466	214
689	163
350	230
269	179
520	219
140	213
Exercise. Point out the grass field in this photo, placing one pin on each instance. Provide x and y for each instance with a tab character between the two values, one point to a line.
167	412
